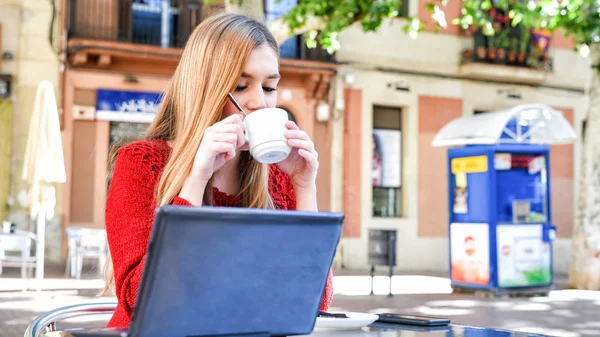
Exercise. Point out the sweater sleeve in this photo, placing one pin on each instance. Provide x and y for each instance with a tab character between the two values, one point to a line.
178	201
130	208
328	294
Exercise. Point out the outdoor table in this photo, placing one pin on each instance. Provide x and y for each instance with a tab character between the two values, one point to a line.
373	330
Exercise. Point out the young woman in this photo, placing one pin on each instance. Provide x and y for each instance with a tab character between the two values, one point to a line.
194	152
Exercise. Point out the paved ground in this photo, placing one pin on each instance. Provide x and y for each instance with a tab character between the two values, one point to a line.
569	313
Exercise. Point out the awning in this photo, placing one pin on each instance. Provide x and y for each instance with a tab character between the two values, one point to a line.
44	165
525	124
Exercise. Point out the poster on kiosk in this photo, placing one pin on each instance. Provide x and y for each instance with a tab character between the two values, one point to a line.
500	224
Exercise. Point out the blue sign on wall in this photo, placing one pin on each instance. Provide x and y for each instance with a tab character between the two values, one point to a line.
127	106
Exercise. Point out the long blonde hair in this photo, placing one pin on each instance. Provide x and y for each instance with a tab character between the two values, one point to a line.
211	64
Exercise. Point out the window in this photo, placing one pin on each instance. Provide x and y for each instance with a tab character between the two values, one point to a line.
403	11
126	132
121	134
386	173
275	9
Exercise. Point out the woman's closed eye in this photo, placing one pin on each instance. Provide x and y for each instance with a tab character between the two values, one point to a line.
244	87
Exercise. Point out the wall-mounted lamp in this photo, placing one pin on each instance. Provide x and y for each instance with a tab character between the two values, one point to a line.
510	93
322	112
399	85
340	104
129	78
349	78
7	56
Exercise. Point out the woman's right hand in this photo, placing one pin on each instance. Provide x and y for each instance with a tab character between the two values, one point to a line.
219	144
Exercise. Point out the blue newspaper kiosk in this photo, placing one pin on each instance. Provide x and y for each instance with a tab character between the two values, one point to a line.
500	223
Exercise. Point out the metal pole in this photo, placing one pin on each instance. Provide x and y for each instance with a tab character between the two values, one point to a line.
372	276
165	27
40	244
390	293
391	256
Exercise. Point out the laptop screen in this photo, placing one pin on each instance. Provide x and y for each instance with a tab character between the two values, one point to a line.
222	270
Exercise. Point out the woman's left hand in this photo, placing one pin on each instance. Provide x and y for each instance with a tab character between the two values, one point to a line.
302	163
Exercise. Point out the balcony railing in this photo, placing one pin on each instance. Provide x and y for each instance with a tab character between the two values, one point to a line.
510	47
165	23
295	48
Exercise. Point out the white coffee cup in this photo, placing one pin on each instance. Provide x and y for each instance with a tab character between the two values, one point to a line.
265	130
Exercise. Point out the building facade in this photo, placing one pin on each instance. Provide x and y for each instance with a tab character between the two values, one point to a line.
122	61
399	89
29	43
409	89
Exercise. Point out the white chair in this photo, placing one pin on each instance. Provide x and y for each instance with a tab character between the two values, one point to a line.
18	242
47	322
85	243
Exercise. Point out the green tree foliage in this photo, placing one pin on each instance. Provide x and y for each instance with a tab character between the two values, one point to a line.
579	19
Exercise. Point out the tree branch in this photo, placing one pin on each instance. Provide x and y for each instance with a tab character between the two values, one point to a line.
281	30
252	8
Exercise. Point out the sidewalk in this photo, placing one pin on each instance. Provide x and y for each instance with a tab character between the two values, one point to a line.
568	313
54	279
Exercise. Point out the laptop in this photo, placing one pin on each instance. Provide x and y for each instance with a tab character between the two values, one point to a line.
234	271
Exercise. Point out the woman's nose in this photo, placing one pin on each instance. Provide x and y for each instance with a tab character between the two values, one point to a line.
257	100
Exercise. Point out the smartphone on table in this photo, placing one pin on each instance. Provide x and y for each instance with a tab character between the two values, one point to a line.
412	319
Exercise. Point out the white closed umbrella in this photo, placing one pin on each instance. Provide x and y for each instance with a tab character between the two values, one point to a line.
44	164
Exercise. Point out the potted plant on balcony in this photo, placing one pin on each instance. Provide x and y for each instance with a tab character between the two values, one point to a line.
535	59
480	46
513	47
523	45
502	44
467	53
491	51
538	54
541	41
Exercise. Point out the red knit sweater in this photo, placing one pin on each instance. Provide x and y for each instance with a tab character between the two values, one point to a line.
130	207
